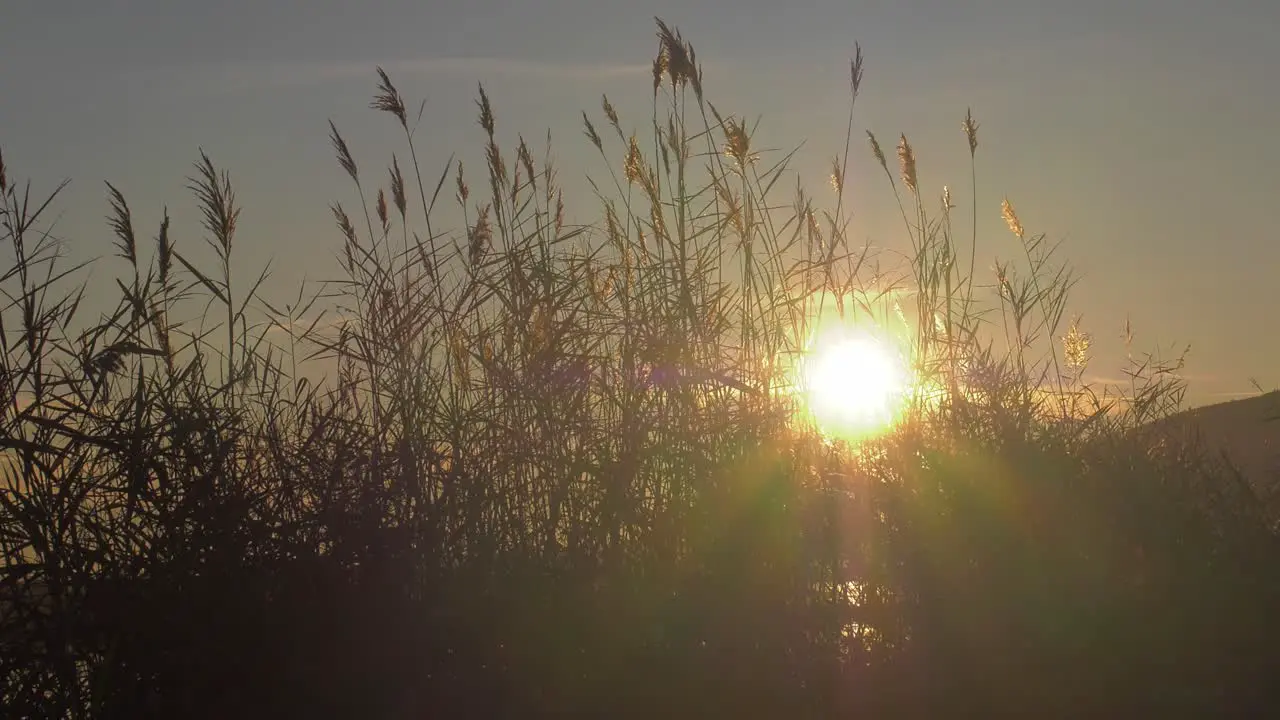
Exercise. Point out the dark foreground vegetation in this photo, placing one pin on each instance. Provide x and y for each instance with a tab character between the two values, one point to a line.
554	470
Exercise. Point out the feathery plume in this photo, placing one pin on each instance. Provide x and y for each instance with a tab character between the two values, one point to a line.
1075	346
610	113
1011	219
389	100
479	236
486	113
875	150
970	131
347	162
907	163
590	131
464	191
121	223
855	70
737	143
382	212
164	250
633	167
397	187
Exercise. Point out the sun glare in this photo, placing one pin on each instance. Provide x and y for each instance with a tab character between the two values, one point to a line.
855	379
855	384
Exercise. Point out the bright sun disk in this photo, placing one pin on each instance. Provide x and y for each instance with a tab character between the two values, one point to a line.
855	383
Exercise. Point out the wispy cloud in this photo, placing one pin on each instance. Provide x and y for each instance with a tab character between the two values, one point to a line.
1234	395
244	76
1104	380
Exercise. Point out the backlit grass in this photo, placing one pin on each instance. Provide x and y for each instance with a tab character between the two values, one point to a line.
532	468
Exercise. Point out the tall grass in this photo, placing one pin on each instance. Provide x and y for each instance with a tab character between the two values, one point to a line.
561	469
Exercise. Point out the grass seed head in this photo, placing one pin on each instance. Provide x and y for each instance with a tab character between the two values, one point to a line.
855	71
347	162
486	113
397	187
464	191
1075	346
164	250
610	113
659	69
526	161
217	200
121	222
590	131
479	237
907	163
737	143
633	166
1011	219
970	131
382	212
389	100
679	59
876	151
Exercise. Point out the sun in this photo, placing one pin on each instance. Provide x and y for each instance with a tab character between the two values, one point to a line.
855	379
855	384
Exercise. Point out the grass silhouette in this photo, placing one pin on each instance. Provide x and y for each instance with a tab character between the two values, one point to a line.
560	470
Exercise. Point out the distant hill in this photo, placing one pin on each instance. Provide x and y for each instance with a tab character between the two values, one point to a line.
1247	431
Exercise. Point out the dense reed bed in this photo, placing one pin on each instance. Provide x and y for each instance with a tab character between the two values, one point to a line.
557	470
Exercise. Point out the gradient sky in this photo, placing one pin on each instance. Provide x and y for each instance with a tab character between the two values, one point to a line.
1138	132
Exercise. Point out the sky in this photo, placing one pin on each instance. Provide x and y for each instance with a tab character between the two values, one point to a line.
1139	133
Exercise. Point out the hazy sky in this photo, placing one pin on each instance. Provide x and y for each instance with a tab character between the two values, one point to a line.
1138	132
